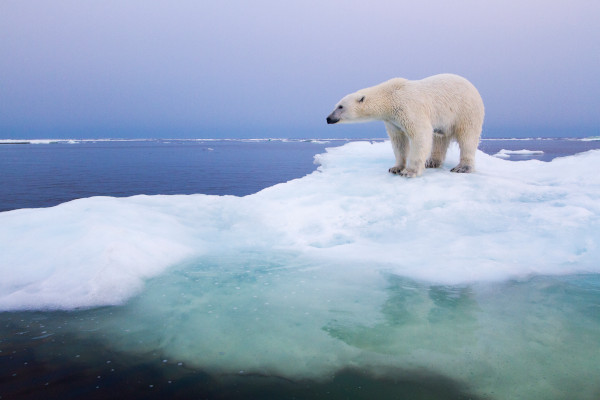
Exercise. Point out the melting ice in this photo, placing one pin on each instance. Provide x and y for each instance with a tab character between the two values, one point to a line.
488	278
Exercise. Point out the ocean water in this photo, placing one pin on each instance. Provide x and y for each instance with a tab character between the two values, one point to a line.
47	173
242	269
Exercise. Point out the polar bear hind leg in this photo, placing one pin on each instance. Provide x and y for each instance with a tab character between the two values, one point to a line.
467	137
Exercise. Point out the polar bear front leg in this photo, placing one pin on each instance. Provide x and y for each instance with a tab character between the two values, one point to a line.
399	145
438	152
420	149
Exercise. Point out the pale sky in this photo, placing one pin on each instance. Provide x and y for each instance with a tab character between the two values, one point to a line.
185	69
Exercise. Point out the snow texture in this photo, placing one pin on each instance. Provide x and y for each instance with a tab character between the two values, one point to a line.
507	220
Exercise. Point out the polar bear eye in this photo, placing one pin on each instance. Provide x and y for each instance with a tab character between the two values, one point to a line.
361	99
340	107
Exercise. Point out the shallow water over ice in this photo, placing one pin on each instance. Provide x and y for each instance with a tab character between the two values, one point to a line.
534	339
489	280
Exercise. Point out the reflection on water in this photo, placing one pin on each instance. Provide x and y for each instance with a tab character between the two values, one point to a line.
534	339
415	314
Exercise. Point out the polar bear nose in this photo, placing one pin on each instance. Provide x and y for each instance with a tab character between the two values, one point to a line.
332	120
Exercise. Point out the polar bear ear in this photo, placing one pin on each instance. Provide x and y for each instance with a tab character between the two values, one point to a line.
361	99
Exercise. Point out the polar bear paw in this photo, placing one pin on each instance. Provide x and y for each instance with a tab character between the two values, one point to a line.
431	163
409	173
462	169
403	171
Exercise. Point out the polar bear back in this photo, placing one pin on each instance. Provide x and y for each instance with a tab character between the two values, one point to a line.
446	100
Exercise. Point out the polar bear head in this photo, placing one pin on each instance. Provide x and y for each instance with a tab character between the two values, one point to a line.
369	104
352	108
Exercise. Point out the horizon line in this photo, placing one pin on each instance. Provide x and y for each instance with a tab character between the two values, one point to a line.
307	139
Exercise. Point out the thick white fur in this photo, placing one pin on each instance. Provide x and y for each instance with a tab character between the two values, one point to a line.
421	118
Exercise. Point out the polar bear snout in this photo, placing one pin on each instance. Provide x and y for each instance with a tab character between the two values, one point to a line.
331	119
336	115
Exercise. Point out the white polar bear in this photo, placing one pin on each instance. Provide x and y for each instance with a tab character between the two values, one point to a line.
421	118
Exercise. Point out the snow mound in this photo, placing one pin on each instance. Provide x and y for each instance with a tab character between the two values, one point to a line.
506	220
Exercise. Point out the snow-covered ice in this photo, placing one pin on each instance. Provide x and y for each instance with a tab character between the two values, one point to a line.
507	220
486	278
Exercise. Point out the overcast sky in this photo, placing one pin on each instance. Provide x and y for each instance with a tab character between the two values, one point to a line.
79	69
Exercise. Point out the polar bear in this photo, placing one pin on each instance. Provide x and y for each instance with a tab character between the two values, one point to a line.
421	118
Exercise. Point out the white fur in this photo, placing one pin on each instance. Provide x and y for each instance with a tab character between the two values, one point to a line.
421	118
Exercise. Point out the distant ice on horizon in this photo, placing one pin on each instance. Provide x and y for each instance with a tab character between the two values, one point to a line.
503	153
312	140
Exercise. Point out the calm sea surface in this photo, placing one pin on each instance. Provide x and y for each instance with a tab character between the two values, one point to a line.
44	175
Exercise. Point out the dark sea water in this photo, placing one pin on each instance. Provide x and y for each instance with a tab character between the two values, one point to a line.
44	175
40	358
